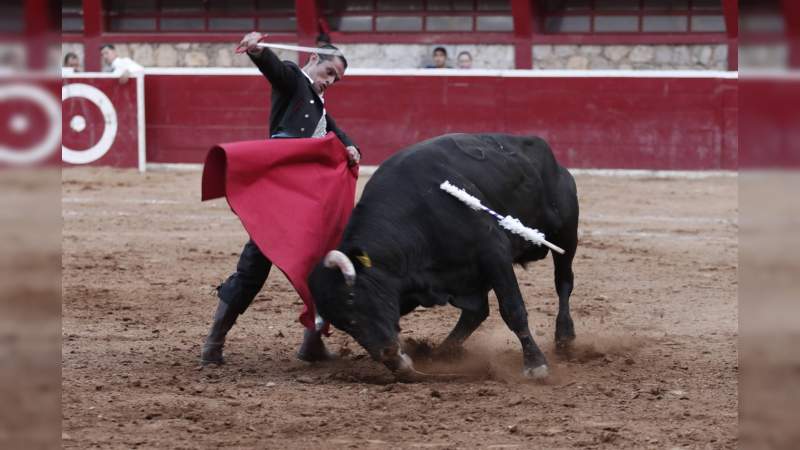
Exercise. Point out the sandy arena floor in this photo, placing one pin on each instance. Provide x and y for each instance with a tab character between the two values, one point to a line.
655	309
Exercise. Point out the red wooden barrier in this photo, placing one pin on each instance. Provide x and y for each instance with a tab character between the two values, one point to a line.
29	121
592	120
100	121
770	135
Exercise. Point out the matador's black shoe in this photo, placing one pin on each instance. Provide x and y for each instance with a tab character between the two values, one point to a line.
313	349
224	318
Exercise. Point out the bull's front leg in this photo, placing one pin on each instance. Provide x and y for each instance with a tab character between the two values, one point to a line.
565	328
474	310
564	282
512	309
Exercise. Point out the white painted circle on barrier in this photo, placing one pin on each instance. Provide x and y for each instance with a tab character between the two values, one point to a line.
78	124
20	123
102	101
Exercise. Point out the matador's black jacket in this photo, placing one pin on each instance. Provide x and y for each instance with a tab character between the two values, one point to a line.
296	108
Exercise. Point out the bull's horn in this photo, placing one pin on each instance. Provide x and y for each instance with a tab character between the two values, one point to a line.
337	259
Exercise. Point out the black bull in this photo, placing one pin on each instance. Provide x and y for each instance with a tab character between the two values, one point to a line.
410	244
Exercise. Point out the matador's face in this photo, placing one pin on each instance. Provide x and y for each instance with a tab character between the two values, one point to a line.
324	73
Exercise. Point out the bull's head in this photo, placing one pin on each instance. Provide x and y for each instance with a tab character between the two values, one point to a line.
358	300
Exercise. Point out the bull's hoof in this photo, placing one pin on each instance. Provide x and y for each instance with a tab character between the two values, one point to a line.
316	357
536	373
212	354
449	352
406	376
564	345
315	353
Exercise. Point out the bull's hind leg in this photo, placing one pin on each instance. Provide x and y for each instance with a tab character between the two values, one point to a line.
512	308
564	278
474	310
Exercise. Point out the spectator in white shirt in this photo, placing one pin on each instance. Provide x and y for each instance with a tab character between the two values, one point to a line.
124	67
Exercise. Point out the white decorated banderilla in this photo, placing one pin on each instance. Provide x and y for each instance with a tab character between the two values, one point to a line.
509	223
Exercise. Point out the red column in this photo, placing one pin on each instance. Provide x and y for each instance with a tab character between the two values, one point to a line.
523	29
92	34
307	21
731	9
37	29
791	16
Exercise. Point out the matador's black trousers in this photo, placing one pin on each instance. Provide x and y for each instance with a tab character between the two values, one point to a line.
239	290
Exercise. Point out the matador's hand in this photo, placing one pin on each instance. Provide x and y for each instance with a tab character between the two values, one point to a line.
250	42
353	155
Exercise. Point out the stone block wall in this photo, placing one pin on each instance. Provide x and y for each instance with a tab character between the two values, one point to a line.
621	57
405	56
410	56
180	54
383	56
764	56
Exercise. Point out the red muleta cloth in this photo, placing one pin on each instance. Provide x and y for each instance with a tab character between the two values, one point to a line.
293	196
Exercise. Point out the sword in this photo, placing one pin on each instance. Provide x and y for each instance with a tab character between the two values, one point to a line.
300	48
295	48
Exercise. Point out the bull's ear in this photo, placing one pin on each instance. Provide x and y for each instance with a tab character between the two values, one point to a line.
360	256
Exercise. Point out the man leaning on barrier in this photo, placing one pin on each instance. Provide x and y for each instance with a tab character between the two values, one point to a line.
121	66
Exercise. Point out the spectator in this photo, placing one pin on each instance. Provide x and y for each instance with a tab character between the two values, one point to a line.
124	67
71	61
323	39
464	60
439	59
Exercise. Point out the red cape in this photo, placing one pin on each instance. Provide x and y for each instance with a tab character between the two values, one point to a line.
293	196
